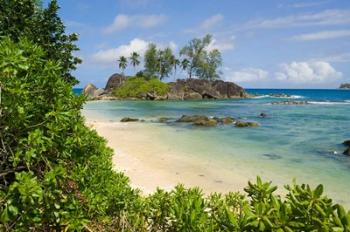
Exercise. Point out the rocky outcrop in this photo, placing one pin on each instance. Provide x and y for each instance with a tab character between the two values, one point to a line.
127	119
89	90
344	86
93	93
347	144
115	81
246	124
202	120
203	89
189	89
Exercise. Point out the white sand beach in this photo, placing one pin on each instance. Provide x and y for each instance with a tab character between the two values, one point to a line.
150	164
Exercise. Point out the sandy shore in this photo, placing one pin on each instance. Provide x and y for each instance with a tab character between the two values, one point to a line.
150	164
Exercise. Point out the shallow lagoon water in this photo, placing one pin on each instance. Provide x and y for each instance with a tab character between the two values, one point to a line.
293	142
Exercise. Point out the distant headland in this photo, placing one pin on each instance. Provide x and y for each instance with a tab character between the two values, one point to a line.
344	86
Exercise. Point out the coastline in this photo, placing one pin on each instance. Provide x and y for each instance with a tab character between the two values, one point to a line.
150	165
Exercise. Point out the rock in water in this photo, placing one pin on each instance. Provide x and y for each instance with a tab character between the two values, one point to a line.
225	120
263	115
192	118
207	123
347	143
347	152
246	124
163	119
127	119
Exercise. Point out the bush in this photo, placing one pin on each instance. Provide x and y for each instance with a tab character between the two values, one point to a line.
139	87
56	174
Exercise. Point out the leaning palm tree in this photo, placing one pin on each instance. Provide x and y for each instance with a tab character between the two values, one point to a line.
123	63
134	59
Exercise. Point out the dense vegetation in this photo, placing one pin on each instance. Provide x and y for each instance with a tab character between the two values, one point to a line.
42	26
56	173
139	87
198	60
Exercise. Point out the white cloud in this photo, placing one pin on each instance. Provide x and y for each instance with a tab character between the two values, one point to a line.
308	72
327	17
322	35
336	58
123	21
245	75
211	22
222	45
307	4
109	56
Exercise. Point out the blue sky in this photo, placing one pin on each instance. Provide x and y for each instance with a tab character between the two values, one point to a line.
265	44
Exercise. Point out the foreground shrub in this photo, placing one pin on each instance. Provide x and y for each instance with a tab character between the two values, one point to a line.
56	174
139	87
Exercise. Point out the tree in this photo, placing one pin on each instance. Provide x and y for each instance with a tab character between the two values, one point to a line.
175	63
123	63
184	64
151	60
195	53
42	26
134	59
207	68
165	62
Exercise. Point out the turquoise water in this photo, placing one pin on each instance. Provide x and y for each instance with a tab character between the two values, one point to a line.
294	141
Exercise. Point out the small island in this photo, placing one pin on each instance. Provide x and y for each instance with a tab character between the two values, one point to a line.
345	86
196	60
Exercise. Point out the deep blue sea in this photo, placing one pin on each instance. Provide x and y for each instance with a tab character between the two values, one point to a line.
302	142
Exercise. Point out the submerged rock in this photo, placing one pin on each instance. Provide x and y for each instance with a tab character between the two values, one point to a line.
206	122
127	119
246	124
192	118
272	156
262	115
291	103
163	119
347	152
225	120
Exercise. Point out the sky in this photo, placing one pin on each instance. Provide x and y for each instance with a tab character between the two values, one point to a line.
264	43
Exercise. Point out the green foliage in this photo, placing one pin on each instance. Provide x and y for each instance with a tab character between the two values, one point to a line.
139	87
27	18
151	60
55	173
134	59
122	63
159	62
199	61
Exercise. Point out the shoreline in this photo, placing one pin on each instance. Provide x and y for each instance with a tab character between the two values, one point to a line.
150	165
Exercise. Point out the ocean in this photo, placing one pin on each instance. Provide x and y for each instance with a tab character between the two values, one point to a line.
294	142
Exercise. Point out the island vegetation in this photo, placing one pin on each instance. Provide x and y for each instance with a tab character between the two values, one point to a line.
196	59
56	173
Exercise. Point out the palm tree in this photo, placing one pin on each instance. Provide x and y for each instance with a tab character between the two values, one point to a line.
134	59
175	63
123	63
185	64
